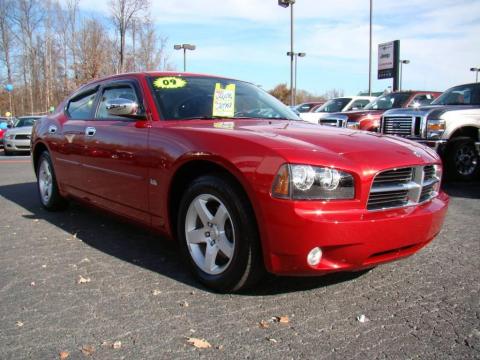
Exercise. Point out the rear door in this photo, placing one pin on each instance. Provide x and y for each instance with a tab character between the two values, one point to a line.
115	157
71	139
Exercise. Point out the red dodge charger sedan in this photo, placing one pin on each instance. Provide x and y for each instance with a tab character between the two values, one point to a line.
237	178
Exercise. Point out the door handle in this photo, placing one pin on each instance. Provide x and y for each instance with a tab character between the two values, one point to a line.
90	131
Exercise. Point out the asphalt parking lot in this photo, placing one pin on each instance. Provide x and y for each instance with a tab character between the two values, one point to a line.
89	285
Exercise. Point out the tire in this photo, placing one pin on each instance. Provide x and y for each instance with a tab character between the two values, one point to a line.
50	197
215	221
7	153
462	160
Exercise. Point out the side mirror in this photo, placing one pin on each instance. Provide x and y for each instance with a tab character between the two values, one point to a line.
121	107
9	125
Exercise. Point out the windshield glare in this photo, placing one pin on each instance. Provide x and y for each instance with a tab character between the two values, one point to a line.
388	101
183	98
460	95
334	105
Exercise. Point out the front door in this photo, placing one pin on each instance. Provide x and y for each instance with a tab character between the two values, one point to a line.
115	156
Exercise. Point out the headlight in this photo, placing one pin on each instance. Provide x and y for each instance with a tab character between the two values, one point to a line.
353	125
435	128
305	182
9	136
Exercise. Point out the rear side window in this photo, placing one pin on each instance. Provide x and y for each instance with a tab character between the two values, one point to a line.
119	92
80	107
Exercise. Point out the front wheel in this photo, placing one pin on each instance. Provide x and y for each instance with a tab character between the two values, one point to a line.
47	184
218	235
462	160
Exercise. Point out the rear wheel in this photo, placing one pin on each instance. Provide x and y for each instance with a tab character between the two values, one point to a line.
462	160
47	184
218	235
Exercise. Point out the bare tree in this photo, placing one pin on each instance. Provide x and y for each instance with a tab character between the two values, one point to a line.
123	13
6	43
93	54
151	52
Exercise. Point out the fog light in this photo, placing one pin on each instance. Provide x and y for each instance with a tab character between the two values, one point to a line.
314	256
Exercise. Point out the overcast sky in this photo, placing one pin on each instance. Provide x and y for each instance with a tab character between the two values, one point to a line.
248	39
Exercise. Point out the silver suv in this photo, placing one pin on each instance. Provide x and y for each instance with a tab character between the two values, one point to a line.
450	125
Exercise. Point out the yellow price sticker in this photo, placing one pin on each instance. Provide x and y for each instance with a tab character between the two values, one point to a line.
224	100
169	82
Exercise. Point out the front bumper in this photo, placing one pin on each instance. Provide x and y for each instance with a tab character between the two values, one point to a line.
17	145
350	240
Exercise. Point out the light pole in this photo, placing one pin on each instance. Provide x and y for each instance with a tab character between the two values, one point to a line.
401	72
287	3
185	47
294	87
370	52
476	70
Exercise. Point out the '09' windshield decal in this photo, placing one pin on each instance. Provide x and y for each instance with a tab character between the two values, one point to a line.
169	82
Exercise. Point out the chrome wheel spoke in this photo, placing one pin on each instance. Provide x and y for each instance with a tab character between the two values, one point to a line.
210	257
202	211
197	236
220	217
225	246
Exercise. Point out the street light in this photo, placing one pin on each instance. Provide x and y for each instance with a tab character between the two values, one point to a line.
185	47
401	72
476	69
294	87
285	4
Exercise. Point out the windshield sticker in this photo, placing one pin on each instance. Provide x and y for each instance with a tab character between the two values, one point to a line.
169	82
224	125
224	100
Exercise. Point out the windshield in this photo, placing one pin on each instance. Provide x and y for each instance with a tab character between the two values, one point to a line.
334	105
389	101
25	122
460	95
183	98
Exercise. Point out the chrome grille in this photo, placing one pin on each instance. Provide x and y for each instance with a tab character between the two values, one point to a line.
403	187
397	125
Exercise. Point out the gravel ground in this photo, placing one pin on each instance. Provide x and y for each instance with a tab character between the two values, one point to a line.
80	281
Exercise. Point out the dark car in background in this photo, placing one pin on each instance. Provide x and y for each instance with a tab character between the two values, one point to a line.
369	117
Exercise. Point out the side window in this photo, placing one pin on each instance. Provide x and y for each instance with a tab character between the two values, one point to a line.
123	92
80	107
358	104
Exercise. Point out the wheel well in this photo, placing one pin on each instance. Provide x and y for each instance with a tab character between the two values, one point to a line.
185	175
467	131
37	151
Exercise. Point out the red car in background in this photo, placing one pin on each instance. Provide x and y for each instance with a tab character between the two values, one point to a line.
369	117
4	123
237	178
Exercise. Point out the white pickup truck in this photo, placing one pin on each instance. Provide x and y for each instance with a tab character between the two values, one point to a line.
450	125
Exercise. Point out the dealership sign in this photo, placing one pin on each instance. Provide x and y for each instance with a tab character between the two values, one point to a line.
388	56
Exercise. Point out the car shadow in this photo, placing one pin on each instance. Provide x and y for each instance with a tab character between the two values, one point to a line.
466	190
143	248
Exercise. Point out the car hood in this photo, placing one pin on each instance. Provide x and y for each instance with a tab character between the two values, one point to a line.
24	130
299	141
